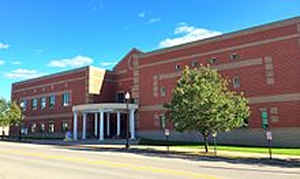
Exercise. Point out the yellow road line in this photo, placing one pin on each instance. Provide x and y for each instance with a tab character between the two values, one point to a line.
82	160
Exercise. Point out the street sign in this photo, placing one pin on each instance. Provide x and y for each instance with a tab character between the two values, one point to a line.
167	132
264	119
264	115
269	135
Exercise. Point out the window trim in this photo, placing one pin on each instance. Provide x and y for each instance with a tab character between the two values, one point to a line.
67	96
43	102
34	104
163	91
63	129
234	80
49	127
42	127
25	102
51	106
33	128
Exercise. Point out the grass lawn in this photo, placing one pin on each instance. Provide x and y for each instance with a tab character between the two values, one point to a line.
200	146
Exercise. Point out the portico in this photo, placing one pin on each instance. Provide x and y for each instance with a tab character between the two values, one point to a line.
104	109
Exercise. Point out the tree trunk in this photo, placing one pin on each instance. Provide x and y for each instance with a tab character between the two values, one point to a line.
206	142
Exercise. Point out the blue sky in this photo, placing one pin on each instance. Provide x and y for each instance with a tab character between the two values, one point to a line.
42	37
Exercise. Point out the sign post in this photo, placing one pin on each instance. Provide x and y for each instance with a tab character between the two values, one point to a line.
269	138
265	126
167	134
215	143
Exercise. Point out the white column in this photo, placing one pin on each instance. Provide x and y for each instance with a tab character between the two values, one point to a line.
118	124
84	126
96	124
108	127
101	136
132	127
75	126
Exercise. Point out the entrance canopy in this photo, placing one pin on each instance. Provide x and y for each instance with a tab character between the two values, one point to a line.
104	107
107	108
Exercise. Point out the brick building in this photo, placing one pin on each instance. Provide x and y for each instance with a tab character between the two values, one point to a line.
262	61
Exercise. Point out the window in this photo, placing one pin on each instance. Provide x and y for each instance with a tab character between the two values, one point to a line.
195	64
51	127
120	97
65	126
33	128
66	99
43	102
212	60
34	104
177	67
236	82
162	120
52	101
24	104
42	127
163	91
234	56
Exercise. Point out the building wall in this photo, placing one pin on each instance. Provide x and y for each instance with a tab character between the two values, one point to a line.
267	67
74	82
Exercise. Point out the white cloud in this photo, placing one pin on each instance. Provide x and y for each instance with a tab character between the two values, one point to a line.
142	14
74	62
16	63
182	23
23	74
3	46
2	62
186	34
107	64
153	20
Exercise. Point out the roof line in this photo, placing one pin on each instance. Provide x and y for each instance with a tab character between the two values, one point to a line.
51	75
262	27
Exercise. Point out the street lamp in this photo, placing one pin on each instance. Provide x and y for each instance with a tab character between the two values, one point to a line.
22	105
127	97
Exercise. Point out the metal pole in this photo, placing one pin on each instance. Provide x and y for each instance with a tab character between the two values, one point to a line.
127	130
270	149
215	146
20	130
168	146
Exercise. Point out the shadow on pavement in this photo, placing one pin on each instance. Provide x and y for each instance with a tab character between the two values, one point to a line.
201	156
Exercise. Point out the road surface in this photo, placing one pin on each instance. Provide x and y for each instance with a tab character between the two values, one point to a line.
27	161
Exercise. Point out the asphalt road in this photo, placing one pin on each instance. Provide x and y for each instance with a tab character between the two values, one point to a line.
26	161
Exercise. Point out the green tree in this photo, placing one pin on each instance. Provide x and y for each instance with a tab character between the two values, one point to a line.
3	111
14	115
203	102
10	113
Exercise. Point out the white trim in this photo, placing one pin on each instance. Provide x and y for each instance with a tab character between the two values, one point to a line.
104	107
75	126
101	135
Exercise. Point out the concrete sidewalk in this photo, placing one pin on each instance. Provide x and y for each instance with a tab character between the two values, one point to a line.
199	152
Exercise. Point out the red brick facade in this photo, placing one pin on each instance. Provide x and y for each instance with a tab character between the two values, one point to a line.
265	60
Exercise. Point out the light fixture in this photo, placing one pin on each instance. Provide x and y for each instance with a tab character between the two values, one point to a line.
127	95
